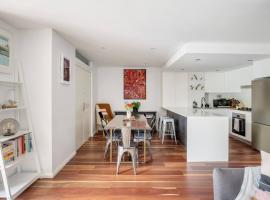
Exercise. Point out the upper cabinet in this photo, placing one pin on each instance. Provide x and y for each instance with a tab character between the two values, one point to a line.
229	81
214	82
232	81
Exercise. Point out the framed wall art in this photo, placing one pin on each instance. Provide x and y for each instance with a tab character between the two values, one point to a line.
5	53
65	70
134	83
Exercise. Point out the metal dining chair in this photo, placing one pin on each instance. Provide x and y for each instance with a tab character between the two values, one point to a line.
116	135
139	137
127	146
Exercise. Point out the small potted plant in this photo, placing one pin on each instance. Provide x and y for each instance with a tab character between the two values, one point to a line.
136	106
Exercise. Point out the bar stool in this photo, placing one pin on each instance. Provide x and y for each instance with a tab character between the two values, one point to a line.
168	128
160	125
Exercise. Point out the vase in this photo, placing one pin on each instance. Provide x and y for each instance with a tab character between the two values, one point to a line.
135	109
128	114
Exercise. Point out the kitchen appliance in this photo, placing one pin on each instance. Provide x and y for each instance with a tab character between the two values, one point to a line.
221	103
261	114
239	124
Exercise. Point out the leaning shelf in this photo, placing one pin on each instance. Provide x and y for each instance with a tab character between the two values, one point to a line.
12	109
18	183
18	134
18	160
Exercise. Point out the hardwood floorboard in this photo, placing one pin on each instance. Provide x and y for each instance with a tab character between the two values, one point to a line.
167	176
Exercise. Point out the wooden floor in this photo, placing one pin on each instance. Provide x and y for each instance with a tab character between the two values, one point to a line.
168	176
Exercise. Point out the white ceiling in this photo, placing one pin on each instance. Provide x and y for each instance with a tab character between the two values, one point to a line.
214	62
122	32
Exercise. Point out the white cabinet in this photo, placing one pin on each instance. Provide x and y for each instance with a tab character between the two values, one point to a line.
174	89
261	68
229	81
214	82
245	75
232	81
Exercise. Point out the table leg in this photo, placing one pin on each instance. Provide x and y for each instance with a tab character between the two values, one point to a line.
111	145
144	147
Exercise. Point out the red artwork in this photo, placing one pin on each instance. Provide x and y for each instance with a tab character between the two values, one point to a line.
134	83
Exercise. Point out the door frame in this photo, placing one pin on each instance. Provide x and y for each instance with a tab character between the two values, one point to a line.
89	69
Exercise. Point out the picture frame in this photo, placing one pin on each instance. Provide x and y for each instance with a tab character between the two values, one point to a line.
65	70
134	84
5	52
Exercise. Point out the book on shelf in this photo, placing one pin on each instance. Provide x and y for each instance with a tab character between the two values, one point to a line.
17	147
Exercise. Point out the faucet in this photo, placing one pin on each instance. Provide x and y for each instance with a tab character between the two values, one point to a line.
203	102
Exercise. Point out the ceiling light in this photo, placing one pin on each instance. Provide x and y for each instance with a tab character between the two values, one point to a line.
197	59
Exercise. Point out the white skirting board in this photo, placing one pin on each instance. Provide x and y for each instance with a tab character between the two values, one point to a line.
59	168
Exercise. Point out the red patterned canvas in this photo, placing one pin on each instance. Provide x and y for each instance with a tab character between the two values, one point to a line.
134	83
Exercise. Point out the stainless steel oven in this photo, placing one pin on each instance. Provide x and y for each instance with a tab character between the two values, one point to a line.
239	124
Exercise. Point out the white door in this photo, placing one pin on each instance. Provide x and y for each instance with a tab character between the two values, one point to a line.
83	108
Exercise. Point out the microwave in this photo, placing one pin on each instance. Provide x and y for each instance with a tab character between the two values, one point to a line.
221	103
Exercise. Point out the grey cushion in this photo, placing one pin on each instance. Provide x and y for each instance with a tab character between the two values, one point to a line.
227	182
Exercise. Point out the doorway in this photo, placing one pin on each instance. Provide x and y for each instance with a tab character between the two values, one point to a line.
83	105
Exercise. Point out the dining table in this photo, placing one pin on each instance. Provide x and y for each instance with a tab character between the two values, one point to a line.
136	122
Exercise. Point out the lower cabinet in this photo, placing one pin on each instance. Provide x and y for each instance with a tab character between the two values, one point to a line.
180	127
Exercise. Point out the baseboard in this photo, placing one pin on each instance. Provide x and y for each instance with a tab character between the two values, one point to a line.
59	168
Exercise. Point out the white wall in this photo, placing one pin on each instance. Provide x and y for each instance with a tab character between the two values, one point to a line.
109	88
35	57
52	104
63	105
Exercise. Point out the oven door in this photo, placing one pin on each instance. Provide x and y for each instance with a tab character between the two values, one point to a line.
239	126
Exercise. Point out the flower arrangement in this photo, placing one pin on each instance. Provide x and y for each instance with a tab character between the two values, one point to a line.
129	106
136	106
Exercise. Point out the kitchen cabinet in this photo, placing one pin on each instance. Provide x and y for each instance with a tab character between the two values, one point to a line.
174	89
245	76
232	81
214	82
229	81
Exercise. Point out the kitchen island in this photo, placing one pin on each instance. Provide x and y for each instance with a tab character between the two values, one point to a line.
204	134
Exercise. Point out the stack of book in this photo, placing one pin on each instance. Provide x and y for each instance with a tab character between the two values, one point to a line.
13	149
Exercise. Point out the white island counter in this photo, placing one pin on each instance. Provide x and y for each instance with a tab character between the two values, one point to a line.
205	134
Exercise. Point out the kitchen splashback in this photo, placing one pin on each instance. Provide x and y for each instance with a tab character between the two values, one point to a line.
244	96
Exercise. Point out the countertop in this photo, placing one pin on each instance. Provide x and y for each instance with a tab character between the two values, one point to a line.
191	112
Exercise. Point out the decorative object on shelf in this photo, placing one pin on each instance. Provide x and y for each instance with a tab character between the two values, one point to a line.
9	126
5	52
10	104
136	106
195	104
65	70
129	108
134	83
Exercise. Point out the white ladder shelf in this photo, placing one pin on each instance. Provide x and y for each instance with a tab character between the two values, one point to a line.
15	178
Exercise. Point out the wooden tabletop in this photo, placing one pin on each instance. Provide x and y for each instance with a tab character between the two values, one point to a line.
138	122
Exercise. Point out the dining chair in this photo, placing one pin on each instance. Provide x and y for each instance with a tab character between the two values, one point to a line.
127	146
116	135
139	138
